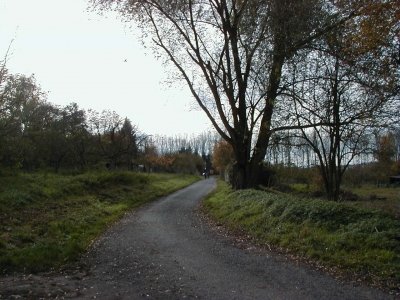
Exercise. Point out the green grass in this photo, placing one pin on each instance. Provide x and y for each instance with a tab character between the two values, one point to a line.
48	220
354	239
386	199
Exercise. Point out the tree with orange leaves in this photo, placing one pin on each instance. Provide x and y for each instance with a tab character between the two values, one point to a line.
222	157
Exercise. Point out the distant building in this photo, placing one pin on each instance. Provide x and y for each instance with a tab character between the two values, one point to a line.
395	179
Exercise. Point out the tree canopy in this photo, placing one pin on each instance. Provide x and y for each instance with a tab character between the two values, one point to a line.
234	56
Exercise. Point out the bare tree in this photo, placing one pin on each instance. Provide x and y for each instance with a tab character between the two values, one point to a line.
3	67
107	127
3	91
231	55
336	101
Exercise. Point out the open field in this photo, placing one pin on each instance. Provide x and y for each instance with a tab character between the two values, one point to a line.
341	236
383	198
386	199
47	220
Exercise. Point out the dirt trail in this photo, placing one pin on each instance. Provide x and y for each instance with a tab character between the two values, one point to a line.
165	251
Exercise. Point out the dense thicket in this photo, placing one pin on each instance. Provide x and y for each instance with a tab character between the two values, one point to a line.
36	134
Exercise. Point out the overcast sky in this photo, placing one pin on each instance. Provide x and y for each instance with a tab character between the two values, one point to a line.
95	61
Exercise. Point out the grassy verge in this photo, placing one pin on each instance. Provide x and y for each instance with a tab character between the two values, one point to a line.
47	220
353	239
386	199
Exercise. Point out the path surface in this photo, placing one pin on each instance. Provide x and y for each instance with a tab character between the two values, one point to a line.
165	251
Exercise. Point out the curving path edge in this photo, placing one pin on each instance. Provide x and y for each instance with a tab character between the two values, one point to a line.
164	250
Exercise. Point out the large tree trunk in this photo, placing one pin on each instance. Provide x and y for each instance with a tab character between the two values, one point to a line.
249	169
239	178
247	174
240	170
332	181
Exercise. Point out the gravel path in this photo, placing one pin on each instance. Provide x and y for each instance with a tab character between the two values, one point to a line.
165	251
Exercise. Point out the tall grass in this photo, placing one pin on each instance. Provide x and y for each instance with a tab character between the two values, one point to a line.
335	234
47	220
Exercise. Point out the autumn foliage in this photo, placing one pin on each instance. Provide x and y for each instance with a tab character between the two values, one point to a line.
223	156
373	32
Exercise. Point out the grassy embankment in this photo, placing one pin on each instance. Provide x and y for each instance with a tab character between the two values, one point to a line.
47	220
386	199
354	239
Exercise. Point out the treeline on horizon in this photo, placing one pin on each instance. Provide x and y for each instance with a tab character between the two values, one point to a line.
38	135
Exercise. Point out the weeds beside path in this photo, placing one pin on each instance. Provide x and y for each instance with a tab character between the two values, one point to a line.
165	250
361	242
48	220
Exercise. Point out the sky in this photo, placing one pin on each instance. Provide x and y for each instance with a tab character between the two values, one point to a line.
96	61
